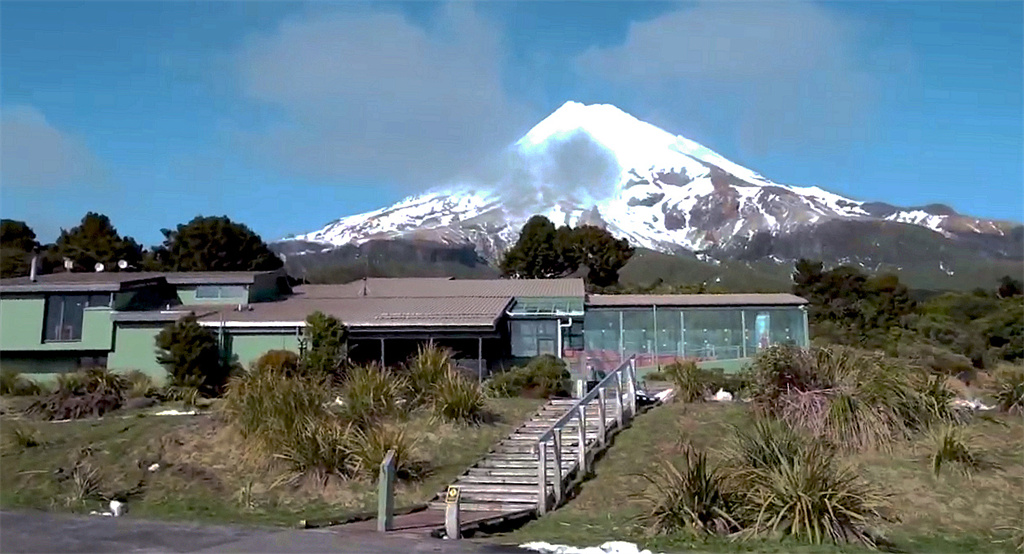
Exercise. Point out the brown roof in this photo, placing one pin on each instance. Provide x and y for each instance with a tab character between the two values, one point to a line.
78	282
113	281
369	312
695	300
446	288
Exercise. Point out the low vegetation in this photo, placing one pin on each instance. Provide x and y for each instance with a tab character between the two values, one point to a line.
13	383
542	377
1009	389
950	446
89	393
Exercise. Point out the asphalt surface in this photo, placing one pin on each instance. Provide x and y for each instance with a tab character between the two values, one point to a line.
65	533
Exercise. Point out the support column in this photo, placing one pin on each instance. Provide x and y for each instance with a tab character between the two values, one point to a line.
657	360
480	359
682	335
743	335
622	340
382	366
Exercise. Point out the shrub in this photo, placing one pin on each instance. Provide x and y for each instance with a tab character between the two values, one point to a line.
15	384
543	377
317	447
949	445
370	446
191	356
458	399
811	498
92	392
1009	389
690	383
768	443
269	407
736	383
692	496
283	362
427	369
371	393
139	384
23	436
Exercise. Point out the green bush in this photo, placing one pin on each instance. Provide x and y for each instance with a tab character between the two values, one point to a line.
426	370
371	393
15	384
191	356
693	497
458	399
543	377
327	345
767	443
268	407
317	447
1009	389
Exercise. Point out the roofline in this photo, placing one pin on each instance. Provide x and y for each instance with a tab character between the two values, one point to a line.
119	286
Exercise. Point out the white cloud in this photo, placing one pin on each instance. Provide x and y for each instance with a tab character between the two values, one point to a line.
35	154
372	95
783	74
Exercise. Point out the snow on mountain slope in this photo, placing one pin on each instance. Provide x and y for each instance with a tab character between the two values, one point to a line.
596	164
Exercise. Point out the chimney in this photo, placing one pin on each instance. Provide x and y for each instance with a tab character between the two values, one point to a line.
32	268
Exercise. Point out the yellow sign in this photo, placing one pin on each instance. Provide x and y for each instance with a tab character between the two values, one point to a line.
453	495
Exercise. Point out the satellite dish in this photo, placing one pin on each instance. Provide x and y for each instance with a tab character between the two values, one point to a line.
99	267
122	264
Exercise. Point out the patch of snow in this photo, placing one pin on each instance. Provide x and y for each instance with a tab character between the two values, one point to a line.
173	412
721	396
611	547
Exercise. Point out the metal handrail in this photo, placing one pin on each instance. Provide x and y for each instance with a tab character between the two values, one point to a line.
624	412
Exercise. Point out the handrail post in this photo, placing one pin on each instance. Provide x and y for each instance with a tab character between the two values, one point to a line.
619	416
558	466
542	466
581	414
601	431
386	493
632	387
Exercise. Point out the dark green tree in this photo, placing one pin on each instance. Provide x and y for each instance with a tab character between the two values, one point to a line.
191	355
544	252
213	244
326	346
536	254
17	241
601	253
95	240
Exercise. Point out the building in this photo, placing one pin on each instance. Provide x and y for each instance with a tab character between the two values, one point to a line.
61	322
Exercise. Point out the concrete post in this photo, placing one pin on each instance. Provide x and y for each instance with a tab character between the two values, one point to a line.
452	523
386	493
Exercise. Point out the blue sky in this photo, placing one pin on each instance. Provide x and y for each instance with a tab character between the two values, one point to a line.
287	115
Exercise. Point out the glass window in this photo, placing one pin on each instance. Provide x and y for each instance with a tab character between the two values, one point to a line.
670	334
99	300
601	331
638	331
64	314
207	291
713	334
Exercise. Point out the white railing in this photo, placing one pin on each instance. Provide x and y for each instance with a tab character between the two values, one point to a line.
621	383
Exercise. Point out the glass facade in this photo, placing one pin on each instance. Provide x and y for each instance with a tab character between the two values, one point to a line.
660	335
534	337
65	314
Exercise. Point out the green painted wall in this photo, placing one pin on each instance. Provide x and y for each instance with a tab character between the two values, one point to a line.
187	296
135	348
245	349
21	328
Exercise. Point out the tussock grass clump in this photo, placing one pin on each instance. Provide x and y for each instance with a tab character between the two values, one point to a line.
284	362
15	384
21	436
139	385
692	496
370	446
812	498
459	399
371	393
852	399
269	407
317	447
949	445
767	443
426	370
92	392
690	382
543	377
1009	389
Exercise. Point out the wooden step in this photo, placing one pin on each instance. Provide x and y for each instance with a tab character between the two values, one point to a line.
497	507
512	490
530	480
520	464
502	497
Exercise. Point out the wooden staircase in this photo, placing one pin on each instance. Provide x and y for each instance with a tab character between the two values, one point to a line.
507	481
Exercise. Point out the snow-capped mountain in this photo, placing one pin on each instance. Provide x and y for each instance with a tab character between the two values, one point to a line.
597	164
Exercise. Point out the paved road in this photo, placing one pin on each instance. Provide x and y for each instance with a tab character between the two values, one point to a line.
46	532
